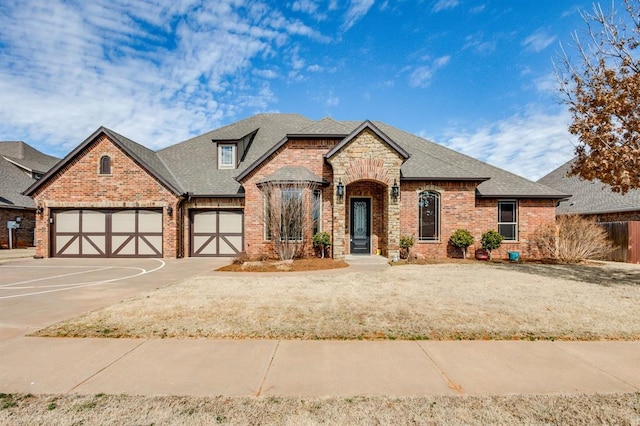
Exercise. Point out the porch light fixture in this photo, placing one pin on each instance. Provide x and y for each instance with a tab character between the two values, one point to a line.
169	211
39	210
340	189
395	190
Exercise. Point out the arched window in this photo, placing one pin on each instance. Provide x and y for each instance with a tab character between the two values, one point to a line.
429	216
105	165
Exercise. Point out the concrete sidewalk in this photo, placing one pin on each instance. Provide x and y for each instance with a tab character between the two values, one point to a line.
315	368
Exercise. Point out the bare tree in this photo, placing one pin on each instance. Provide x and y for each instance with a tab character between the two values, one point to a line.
287	216
602	89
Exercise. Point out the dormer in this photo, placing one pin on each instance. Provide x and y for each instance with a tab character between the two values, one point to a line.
231	152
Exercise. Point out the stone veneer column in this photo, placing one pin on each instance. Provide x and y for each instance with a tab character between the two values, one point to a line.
393	223
339	219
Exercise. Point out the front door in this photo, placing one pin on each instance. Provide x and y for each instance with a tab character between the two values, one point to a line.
360	226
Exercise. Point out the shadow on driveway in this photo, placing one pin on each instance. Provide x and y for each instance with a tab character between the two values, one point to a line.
601	275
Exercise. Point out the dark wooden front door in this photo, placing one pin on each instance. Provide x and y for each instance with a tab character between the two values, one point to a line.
360	225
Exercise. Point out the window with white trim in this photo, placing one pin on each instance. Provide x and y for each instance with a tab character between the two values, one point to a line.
429	216
226	156
508	219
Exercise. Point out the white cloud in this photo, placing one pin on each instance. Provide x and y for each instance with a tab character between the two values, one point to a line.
538	41
69	67
307	6
422	75
445	4
357	9
530	144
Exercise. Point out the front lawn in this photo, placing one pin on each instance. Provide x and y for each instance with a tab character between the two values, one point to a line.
444	301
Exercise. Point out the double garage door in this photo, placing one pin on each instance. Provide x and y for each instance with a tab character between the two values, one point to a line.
107	233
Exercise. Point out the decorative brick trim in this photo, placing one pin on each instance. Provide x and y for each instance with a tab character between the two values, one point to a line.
367	169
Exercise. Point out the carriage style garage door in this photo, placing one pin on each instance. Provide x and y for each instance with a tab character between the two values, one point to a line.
216	232
107	233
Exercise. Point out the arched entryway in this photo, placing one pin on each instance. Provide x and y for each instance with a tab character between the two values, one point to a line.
366	222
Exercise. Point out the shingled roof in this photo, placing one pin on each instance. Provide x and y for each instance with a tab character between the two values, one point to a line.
191	166
19	164
589	197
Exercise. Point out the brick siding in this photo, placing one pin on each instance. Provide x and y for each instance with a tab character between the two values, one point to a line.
79	185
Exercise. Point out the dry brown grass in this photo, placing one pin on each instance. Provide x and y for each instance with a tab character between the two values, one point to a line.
450	301
618	409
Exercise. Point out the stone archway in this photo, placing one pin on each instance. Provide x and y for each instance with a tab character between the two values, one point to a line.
367	158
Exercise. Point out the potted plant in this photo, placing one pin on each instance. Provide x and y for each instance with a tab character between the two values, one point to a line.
406	242
462	239
322	241
490	241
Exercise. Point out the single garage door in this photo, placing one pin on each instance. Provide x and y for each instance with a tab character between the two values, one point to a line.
107	233
217	233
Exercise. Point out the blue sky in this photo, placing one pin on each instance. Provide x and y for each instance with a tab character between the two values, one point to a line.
475	76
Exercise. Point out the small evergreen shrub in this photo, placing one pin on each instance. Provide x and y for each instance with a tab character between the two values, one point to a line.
322	240
490	241
462	239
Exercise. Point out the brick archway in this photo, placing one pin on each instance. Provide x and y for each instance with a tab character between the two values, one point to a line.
371	169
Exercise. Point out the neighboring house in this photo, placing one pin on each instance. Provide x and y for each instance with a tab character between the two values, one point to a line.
592	199
370	183
618	214
20	166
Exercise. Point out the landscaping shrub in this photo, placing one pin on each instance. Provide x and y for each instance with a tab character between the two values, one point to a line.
490	241
545	239
573	239
462	239
406	242
322	240
580	239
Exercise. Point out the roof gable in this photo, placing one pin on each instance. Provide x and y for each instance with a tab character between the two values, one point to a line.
379	133
146	158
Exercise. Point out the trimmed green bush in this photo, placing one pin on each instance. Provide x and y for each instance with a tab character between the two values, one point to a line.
322	240
462	239
406	242
491	240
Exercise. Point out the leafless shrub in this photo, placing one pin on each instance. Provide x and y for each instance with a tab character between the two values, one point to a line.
580	239
545	240
287	216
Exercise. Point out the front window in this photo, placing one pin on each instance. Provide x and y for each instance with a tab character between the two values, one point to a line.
226	156
316	216
508	220
291	214
429	216
284	213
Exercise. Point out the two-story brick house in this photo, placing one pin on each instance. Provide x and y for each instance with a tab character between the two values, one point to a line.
370	183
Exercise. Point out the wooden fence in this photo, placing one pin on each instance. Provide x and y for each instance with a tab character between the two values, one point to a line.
626	240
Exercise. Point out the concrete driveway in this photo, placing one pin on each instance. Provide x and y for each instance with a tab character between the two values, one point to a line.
35	293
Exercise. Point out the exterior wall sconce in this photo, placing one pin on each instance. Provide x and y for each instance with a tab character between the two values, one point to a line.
395	190
340	188
169	211
39	210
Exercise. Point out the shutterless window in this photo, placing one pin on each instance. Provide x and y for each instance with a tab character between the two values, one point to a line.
267	218
316	215
226	156
291	214
508	220
429	216
105	165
